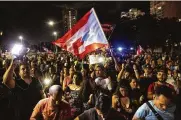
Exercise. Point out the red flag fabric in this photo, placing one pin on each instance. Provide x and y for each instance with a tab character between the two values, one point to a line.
139	50
107	27
86	36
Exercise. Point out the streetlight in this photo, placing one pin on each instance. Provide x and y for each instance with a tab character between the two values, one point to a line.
55	34
51	23
159	8
1	33
21	38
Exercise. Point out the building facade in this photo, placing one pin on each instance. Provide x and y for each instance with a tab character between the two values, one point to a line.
69	18
166	9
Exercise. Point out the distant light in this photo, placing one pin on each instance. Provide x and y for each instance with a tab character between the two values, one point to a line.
20	37
131	48
101	59
47	81
120	48
159	8
51	23
179	20
54	33
16	49
1	33
28	49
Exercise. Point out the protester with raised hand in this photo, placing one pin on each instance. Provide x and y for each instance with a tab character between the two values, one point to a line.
27	91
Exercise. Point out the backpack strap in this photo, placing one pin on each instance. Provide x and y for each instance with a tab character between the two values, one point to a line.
158	116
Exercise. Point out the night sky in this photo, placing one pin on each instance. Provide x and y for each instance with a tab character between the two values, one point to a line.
29	18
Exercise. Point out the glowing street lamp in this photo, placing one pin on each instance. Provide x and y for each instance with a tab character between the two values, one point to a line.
21	38
51	23
1	33
55	33
159	8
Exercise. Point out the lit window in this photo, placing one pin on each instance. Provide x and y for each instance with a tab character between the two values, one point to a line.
159	8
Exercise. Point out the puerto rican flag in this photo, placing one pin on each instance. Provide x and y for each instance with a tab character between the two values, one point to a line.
139	50
85	37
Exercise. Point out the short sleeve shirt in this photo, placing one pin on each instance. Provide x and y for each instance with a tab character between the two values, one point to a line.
27	96
45	110
145	112
152	86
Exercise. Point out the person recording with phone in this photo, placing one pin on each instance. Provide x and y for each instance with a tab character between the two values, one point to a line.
26	90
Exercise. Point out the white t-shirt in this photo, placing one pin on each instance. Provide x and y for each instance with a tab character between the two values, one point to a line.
104	83
172	82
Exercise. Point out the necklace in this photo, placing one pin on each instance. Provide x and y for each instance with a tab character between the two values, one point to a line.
21	87
24	88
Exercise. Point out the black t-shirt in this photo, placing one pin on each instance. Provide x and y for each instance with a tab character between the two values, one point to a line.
26	97
6	108
91	114
2	71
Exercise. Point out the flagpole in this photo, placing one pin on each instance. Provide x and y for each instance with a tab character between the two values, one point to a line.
111	32
99	24
116	64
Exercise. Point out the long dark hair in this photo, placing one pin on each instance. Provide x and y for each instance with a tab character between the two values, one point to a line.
121	85
79	78
85	90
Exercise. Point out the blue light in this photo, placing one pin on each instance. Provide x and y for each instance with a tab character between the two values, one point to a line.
131	48
120	48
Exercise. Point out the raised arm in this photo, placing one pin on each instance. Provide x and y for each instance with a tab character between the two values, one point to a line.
136	72
121	73
8	75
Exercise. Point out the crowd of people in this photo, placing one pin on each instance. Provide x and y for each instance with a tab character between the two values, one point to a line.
62	87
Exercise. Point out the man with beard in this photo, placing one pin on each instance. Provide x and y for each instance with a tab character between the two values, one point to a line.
161	77
26	90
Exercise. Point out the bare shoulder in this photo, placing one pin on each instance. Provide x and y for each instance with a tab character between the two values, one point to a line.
65	102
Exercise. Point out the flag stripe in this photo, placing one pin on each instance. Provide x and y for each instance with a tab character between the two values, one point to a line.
91	48
75	28
86	36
